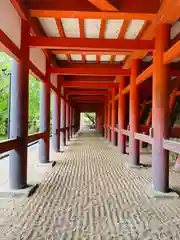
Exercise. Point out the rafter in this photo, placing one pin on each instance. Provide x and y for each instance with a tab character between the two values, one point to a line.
124	29
168	13
103	5
91	44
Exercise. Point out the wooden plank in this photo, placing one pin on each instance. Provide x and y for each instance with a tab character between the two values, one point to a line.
36	136
125	132
90	52
171	146
143	138
8	145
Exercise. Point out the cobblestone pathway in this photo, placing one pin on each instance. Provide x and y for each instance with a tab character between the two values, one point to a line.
90	194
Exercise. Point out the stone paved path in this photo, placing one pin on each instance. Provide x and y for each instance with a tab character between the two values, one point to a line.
90	194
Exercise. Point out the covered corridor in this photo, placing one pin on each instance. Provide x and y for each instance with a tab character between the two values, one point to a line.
91	194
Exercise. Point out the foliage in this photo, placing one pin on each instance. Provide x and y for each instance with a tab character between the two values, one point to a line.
91	117
34	97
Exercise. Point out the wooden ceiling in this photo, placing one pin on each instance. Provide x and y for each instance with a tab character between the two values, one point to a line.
96	40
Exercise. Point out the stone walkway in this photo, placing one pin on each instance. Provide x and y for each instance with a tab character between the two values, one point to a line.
90	194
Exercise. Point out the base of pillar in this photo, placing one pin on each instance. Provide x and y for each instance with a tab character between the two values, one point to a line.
129	165
6	192
47	165
153	193
177	168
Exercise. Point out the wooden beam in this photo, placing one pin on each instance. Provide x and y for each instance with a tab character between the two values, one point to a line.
168	13
144	75
91	52
36	136
90	71
60	27
124	29
91	15
172	53
88	92
103	5
91	85
8	145
171	146
91	44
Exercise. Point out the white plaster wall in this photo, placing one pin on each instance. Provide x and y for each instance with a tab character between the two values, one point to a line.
10	22
38	58
54	80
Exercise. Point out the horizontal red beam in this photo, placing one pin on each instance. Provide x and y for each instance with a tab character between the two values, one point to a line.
36	136
88	92
91	85
91	71
91	15
8	145
91	44
89	52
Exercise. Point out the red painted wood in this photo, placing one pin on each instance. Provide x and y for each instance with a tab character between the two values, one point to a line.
160	167
90	71
121	116
91	44
113	117
134	118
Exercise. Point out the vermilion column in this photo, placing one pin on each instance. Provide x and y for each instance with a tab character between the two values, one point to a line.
122	116
56	105
108	120
160	167
134	118
113	116
62	124
44	146
69	121
105	119
19	113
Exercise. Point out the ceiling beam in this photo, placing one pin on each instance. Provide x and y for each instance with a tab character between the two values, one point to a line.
91	71
91	15
88	92
91	85
168	13
91	44
87	52
103	5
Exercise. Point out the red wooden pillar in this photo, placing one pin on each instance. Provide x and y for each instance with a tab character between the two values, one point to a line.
108	119
105	119
62	123
56	105
19	112
113	117
69	120
134	118
160	166
122	116
44	146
